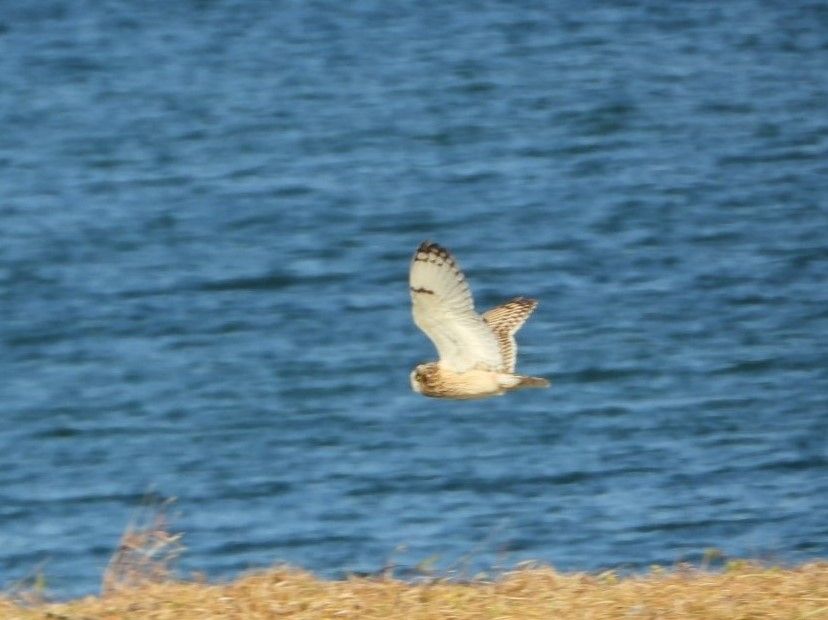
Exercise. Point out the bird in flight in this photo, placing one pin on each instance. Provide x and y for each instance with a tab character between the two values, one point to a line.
477	353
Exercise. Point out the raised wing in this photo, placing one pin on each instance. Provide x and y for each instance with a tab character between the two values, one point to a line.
504	321
443	308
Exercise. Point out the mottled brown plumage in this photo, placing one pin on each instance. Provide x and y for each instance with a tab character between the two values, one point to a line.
505	320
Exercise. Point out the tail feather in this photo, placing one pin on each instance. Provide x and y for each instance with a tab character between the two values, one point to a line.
532	382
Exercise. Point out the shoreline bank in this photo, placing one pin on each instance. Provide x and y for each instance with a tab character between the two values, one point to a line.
741	590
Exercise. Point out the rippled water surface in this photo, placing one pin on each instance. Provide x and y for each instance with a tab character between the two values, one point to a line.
207	211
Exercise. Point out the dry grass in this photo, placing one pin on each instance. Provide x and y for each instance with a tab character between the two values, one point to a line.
146	553
744	591
139	583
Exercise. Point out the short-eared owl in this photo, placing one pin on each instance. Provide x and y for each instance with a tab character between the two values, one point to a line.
477	353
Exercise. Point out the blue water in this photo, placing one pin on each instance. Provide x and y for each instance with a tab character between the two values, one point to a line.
207	210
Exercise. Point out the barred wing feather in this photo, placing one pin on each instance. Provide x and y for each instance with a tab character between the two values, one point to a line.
504	321
443	308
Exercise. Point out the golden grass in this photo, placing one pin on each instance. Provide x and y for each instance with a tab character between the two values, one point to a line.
743	591
139	583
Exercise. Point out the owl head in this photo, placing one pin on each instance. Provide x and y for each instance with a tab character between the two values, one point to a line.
422	378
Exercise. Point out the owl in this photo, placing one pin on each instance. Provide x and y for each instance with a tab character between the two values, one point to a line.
477	352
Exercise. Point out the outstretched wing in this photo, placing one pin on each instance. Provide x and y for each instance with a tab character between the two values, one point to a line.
443	308
504	321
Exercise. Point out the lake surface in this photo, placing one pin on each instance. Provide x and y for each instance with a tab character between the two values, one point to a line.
207	211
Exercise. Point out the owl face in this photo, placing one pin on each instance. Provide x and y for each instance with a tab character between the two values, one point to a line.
421	378
415	382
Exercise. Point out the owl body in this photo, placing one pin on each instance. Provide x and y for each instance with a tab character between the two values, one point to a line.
437	382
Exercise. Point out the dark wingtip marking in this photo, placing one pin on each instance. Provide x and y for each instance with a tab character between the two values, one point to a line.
431	250
525	301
